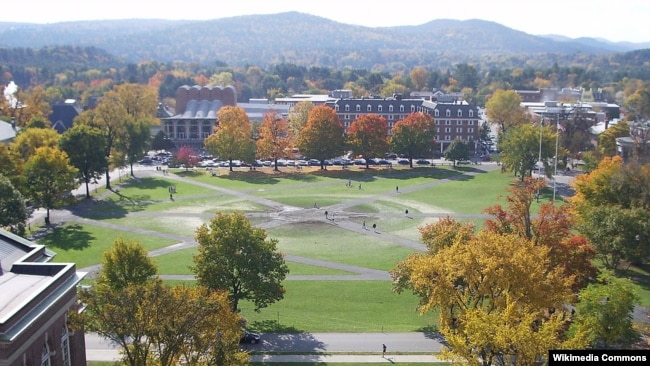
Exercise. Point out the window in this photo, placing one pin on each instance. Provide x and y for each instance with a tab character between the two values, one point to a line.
390	117
336	107
447	122
412	108
437	122
459	122
471	113
401	108
436	113
379	108
459	130
205	135
65	346
369	109
448	113
447	129
470	123
45	355
437	129
347	107
460	113
358	108
447	138
347	116
390	108
470	130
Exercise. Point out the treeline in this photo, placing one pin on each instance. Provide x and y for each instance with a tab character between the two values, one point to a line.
82	72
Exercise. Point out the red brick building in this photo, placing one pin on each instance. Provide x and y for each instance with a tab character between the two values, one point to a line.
35	297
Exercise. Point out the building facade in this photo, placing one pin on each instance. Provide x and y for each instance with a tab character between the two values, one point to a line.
452	121
36	297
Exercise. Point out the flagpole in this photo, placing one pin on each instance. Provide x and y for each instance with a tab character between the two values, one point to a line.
557	136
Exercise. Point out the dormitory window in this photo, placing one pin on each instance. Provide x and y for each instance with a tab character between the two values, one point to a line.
390	108
379	108
336	107
437	122
390	117
447	122
347	116
358	108
448	113
436	113
459	130
65	346
347	107
447	129
401	108
471	113
460	113
470	130
470	123
369	108
448	138
412	108
459	122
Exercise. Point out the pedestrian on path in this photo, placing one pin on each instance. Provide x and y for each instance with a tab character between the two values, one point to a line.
326	215
397	189
374	227
383	352
359	186
363	225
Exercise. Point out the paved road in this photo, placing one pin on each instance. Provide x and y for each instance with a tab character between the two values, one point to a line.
316	347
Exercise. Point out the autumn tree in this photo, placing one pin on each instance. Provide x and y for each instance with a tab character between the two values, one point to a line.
322	137
504	109
13	211
28	140
50	178
274	137
126	264
553	227
611	205
413	136
81	143
367	136
297	118
521	150
11	166
187	157
607	139
458	150
238	258
444	233
500	278
35	105
233	136
419	77
604	312
131	306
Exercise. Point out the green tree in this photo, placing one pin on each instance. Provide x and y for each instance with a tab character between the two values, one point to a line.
13	211
322	137
233	136
125	264
28	140
83	145
298	117
50	178
457	150
238	258
604	312
136	140
161	142
413	136
11	166
367	136
520	149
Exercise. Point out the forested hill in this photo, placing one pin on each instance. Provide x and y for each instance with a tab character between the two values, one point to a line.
308	40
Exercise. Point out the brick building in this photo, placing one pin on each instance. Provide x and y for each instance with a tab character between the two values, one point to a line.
35	297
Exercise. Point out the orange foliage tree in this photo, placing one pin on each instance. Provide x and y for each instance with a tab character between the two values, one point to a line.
322	137
274	137
367	136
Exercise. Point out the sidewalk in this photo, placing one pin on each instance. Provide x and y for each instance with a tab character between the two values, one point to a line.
114	355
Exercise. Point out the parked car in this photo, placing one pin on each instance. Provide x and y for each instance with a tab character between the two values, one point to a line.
146	161
403	162
314	162
248	337
422	162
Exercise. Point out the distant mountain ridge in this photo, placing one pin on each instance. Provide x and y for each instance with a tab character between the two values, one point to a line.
299	38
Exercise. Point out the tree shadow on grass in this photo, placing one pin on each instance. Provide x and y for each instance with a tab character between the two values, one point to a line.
67	237
272	326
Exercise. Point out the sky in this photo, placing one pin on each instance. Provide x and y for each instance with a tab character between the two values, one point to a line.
622	20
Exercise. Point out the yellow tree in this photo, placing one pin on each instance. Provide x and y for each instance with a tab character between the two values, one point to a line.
298	117
274	137
28	140
497	277
50	178
607	139
368	136
35	106
322	137
419	77
504	109
233	136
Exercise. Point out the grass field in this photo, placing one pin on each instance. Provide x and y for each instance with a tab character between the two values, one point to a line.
142	211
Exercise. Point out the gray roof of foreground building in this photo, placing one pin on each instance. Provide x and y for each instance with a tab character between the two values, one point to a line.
29	284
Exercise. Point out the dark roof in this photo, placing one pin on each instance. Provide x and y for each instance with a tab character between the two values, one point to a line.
62	115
